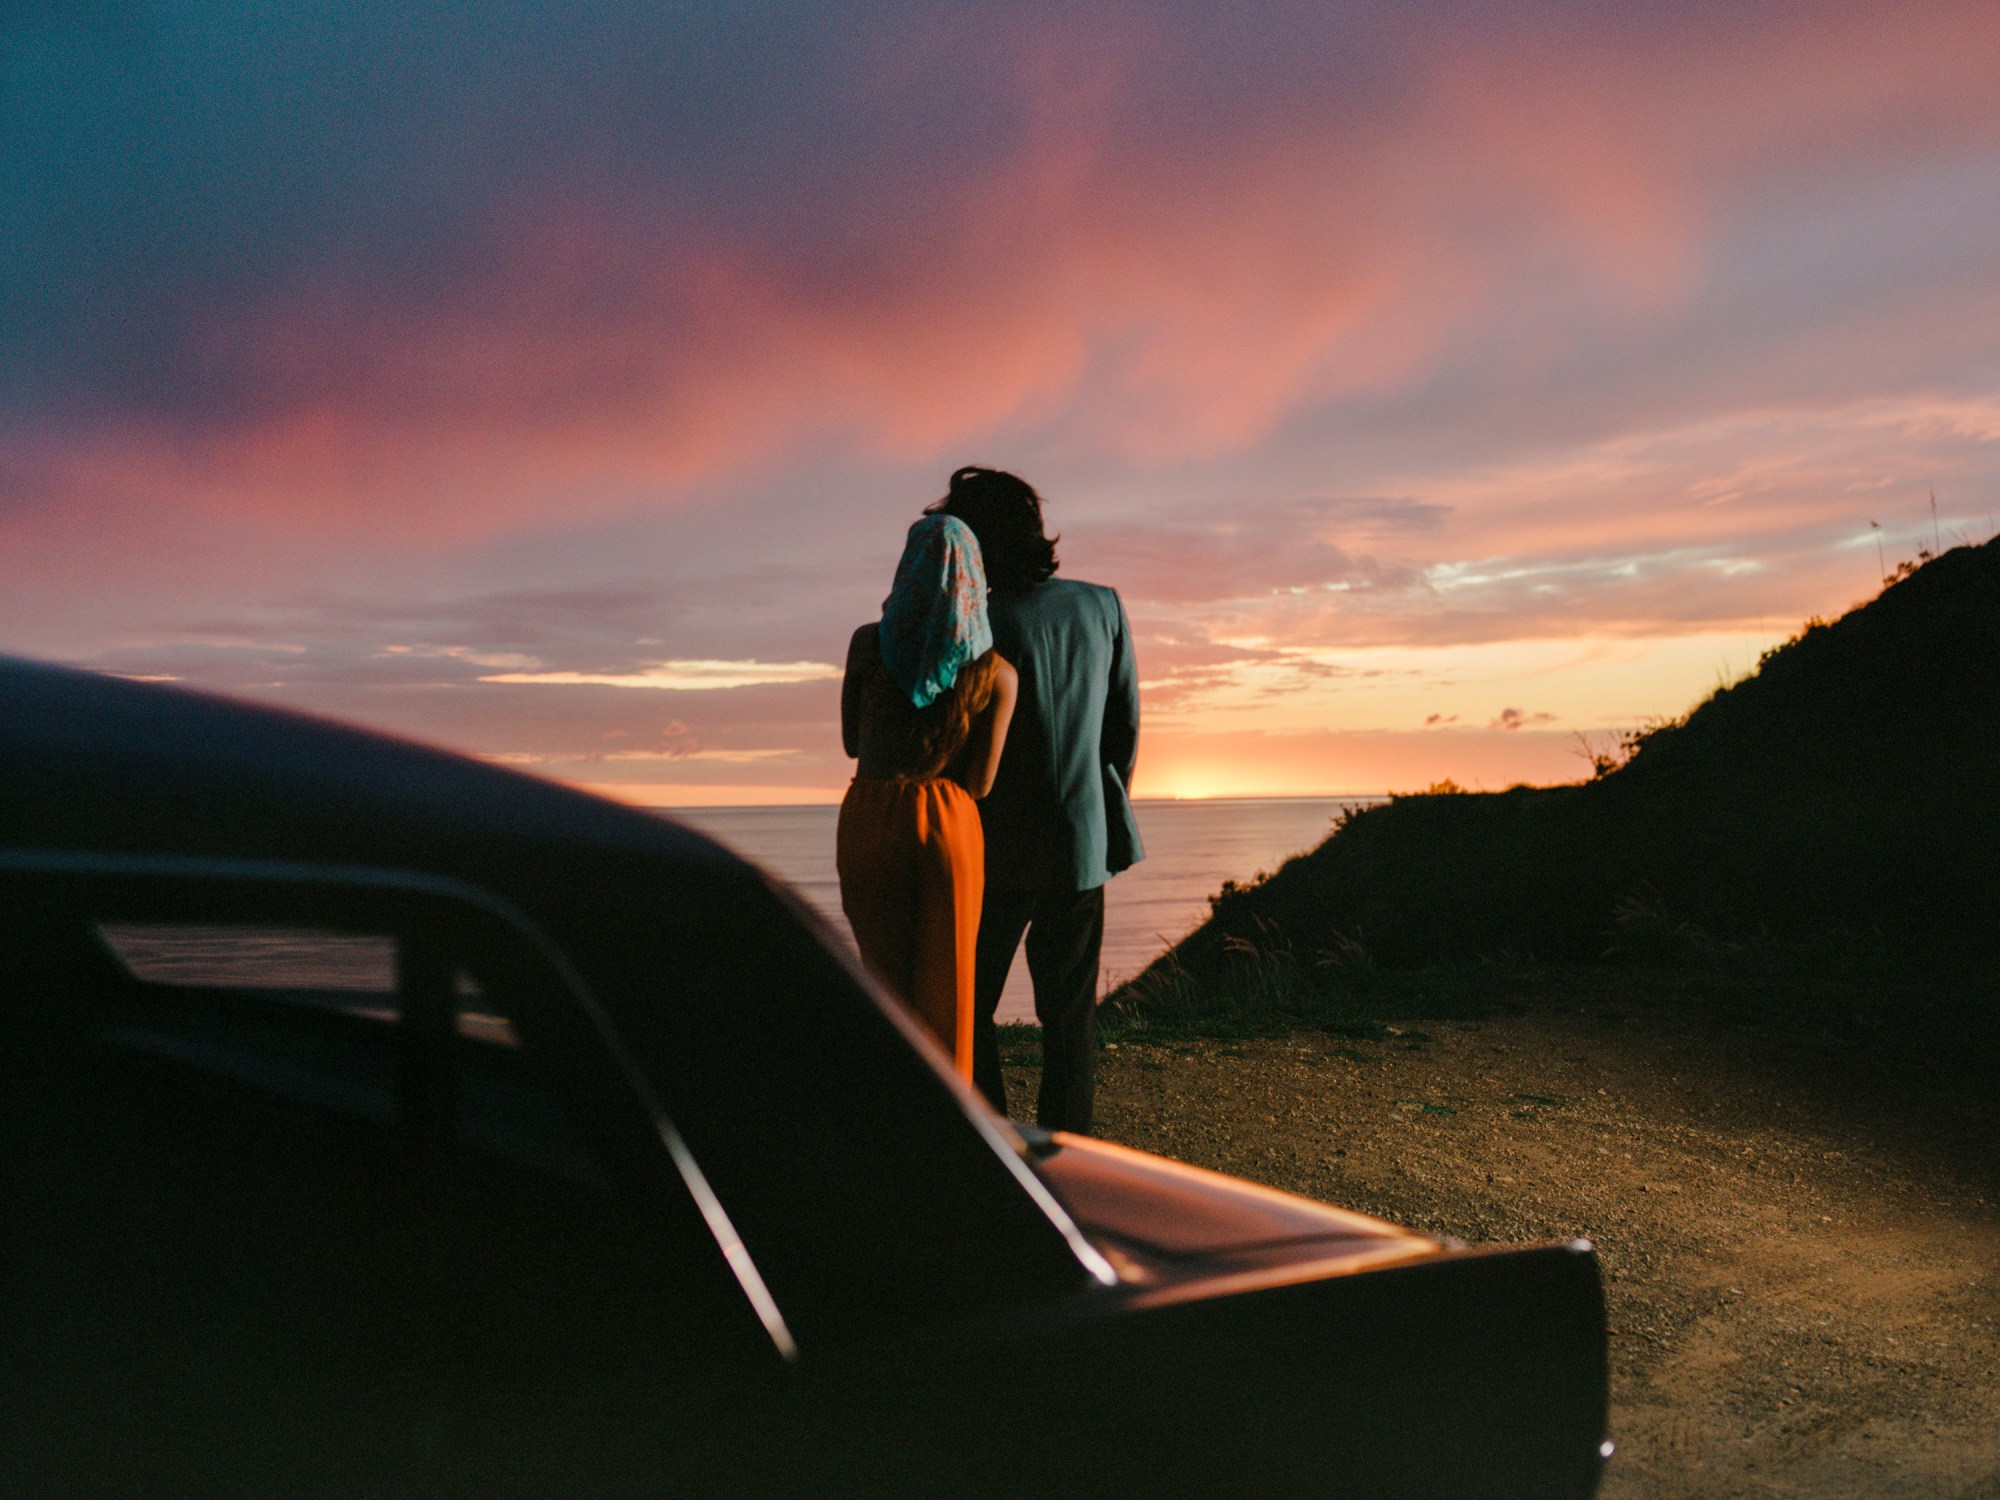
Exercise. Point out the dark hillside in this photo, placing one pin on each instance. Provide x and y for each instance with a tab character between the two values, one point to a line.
1848	786
1850	783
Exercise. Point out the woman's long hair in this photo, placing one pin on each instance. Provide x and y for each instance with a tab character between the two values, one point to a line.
1005	513
933	736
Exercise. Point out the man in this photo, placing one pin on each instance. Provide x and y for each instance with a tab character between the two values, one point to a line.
1058	821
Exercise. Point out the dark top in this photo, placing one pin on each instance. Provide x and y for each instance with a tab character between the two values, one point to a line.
900	741
1059	817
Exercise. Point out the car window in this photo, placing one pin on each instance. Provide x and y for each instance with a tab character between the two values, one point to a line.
501	1109
248	955
310	1211
303	964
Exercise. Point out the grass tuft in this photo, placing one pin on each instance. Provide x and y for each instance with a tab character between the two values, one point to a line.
1265	987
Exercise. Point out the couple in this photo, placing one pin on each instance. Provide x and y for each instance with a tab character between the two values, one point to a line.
995	736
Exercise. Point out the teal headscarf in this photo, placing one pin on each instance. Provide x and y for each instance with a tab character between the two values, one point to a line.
934	620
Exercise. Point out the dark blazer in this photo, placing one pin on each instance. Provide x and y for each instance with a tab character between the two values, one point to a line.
1059	817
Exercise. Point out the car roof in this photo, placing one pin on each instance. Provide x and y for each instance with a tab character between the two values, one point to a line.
92	761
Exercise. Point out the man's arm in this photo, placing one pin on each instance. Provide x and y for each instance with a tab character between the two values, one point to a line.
1119	743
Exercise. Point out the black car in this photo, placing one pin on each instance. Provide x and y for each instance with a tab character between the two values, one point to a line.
380	1122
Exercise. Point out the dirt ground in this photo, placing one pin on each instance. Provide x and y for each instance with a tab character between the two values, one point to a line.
1800	1240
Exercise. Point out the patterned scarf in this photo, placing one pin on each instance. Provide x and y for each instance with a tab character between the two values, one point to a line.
934	620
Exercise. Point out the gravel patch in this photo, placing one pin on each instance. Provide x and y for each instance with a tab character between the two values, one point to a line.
1801	1246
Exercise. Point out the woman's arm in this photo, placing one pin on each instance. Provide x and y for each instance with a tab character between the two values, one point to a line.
853	685
989	731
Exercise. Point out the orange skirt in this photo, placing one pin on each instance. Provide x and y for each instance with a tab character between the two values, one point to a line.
912	862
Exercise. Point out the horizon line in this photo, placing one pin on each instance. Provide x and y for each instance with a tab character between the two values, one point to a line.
678	807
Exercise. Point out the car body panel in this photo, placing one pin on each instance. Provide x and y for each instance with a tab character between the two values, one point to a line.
1168	1209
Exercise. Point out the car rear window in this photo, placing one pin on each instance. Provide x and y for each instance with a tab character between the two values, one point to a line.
354	971
246	956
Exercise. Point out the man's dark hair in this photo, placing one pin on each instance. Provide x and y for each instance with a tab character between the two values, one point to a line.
1005	513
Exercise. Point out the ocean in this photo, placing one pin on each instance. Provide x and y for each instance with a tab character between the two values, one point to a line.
1191	848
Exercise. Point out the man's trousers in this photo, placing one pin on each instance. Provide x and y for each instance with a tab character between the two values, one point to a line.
1065	931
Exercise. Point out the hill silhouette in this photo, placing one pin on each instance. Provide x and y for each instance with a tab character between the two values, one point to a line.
1849	787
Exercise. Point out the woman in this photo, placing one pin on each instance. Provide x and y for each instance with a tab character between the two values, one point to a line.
924	710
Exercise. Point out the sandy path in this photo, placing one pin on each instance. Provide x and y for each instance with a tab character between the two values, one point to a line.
1802	1254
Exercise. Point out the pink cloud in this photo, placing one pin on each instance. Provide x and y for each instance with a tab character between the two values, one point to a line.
1168	295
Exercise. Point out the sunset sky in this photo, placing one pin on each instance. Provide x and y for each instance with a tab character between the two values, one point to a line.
1437	383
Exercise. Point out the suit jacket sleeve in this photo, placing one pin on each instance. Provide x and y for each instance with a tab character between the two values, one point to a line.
1119	745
